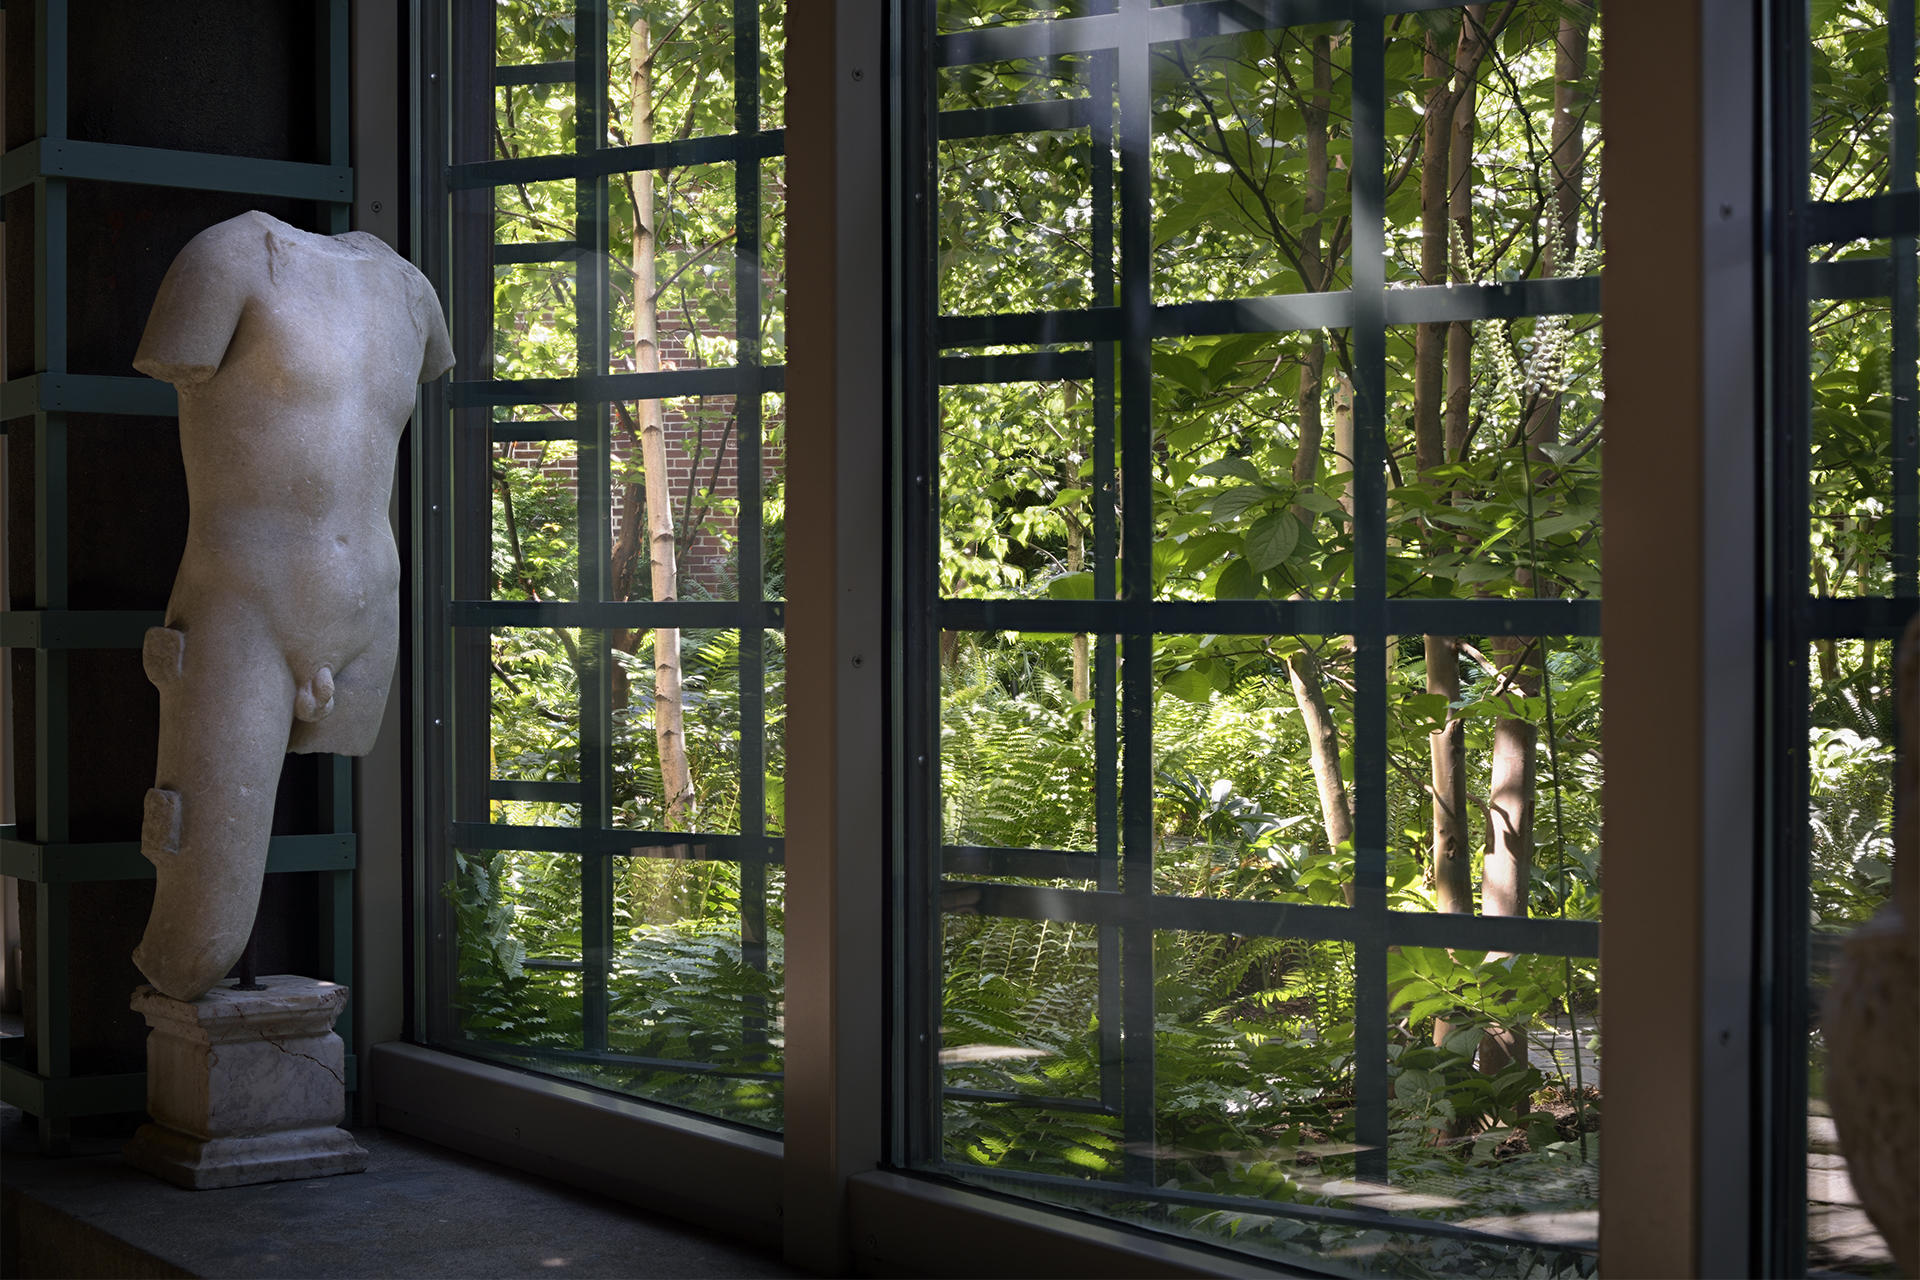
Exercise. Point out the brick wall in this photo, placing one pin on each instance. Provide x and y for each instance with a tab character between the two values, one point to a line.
702	441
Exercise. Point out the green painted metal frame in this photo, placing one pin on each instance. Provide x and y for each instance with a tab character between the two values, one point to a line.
47	1087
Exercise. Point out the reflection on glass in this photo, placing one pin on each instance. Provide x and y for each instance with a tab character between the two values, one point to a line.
1003	1034
1496	1090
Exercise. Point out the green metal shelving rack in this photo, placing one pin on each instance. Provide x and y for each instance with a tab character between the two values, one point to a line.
46	1086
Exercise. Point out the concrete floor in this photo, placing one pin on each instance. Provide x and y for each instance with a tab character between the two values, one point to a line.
419	1210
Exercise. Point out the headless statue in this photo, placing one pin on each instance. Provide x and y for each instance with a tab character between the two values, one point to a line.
296	357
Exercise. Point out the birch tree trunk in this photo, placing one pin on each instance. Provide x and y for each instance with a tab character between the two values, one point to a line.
676	781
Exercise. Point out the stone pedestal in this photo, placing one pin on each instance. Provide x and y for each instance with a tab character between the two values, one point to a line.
245	1086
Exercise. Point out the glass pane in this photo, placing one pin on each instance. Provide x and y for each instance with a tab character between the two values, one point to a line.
535	699
1017	742
1254	487
1016	221
572	731
1252	152
1850	109
519	980
1850	756
696	980
1016	488
533	31
533	119
698	449
676	743
1190	1058
686	81
536	518
1487	813
686	317
1249	735
1493	145
1496	484
1850	359
535	329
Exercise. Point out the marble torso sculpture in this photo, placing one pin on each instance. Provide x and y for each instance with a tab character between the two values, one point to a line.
296	356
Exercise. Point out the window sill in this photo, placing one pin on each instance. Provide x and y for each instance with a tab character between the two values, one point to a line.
708	1173
905	1224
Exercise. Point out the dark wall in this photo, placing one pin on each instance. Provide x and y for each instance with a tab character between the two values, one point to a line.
236	77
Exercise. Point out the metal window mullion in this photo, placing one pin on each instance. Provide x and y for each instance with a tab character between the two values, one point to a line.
592	498
918	942
1905	143
1369	593
1781	1220
1136	589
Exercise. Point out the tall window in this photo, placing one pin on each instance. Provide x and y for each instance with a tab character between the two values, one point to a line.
1850	463
602	597
1252	748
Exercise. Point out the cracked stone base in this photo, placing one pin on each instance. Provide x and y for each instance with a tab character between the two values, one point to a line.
201	1164
245	1086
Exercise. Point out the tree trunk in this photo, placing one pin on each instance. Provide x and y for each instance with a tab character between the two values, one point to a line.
1323	740
1459	378
1309	684
1429	350
1452	856
1306	458
1509	863
676	781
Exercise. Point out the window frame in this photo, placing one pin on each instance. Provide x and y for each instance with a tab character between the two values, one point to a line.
1677	1194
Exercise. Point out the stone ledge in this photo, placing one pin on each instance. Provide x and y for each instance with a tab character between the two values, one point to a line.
419	1210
